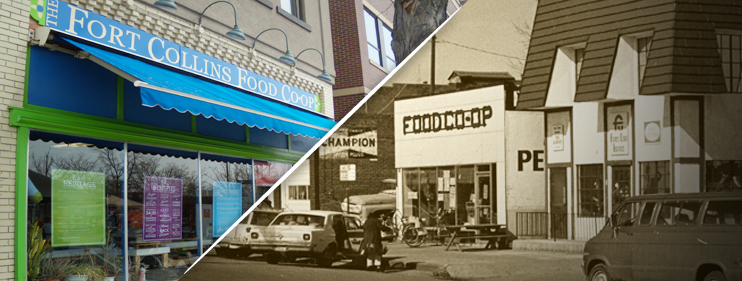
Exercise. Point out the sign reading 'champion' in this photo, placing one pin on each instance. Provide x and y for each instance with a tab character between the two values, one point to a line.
72	20
447	121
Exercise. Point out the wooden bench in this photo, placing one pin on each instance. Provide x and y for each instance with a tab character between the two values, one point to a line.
138	253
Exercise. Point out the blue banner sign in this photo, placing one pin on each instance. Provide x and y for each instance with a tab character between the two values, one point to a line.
227	205
80	23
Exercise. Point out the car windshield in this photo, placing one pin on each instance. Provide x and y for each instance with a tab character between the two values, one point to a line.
300	219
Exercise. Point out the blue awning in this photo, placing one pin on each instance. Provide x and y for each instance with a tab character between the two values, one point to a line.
174	90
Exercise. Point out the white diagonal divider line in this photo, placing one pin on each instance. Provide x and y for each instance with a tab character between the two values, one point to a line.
143	84
319	143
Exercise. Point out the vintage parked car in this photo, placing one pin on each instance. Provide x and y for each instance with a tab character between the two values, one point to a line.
311	234
367	204
237	241
692	236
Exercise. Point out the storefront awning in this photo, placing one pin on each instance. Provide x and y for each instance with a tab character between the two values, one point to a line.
174	90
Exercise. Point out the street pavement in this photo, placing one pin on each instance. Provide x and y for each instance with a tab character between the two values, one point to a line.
255	268
421	263
475	263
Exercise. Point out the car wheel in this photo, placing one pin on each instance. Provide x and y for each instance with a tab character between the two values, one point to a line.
599	273
715	276
327	257
272	258
245	253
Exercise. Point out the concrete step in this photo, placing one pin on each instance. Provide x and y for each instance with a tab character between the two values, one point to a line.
543	245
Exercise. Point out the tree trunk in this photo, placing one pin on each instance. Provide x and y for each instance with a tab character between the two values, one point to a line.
414	21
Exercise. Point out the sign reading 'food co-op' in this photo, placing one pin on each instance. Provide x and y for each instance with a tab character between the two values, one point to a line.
446	121
72	20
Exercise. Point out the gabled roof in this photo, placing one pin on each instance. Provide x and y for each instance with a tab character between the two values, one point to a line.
683	58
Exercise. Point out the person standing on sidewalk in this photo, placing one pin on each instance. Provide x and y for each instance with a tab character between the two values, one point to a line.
371	244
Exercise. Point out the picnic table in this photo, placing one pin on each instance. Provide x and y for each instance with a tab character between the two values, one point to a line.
487	232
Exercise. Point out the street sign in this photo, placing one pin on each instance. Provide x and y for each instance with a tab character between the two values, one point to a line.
348	172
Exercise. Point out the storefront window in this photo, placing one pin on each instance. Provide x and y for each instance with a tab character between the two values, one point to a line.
163	204
465	208
655	177
428	195
723	175
410	183
267	173
224	183
447	177
74	189
591	190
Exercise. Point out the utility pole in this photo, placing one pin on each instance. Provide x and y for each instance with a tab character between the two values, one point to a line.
432	66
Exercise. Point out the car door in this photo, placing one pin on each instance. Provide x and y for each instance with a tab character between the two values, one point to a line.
355	231
645	250
619	249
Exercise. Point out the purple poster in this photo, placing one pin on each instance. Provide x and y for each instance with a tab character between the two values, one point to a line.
163	204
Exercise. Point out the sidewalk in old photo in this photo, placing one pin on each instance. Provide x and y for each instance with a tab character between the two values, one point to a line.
475	262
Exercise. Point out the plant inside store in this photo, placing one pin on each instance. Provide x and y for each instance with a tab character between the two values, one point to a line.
54	269
111	268
37	251
83	269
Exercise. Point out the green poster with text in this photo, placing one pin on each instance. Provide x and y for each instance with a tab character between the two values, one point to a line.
78	208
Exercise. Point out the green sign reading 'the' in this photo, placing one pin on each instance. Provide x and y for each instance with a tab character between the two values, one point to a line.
78	208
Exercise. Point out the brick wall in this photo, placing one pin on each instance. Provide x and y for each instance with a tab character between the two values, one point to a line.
13	36
344	104
344	21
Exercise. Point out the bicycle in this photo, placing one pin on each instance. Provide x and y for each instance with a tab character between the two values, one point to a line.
415	233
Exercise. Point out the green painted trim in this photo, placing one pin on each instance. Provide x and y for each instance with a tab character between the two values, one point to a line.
21	156
247	133
120	98
193	124
25	79
47	119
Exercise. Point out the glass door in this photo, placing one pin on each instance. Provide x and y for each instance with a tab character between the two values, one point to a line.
558	196
485	198
621	185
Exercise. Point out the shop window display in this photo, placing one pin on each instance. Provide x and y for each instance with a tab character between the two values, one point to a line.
723	175
224	182
74	187
411	186
591	191
655	177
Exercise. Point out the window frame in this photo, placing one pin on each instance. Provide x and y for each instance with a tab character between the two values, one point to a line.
381	44
643	47
728	65
601	205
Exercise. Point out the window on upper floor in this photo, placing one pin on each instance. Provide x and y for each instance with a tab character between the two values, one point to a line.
730	48
579	58
643	46
379	38
294	7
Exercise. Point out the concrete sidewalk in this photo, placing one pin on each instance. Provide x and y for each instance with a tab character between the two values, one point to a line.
477	263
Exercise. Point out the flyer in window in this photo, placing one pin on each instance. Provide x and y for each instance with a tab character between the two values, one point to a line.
163	206
227	205
78	208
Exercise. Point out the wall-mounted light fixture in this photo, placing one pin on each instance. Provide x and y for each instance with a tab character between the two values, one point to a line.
166	4
324	76
287	58
235	33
